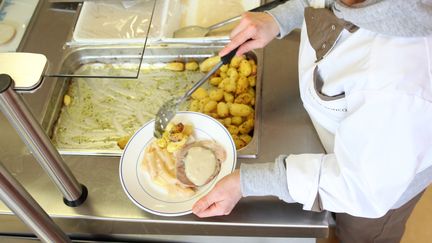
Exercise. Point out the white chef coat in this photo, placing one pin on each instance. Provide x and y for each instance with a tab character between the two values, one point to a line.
382	127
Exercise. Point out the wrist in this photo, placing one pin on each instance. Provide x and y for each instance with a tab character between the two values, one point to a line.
274	28
237	182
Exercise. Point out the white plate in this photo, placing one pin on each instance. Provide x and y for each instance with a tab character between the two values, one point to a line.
147	195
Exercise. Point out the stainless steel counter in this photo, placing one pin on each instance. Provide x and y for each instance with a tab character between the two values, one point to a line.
286	129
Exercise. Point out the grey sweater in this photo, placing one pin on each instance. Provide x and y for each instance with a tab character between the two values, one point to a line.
406	18
389	17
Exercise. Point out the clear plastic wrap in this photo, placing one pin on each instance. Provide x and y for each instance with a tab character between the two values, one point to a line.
108	30
183	13
118	21
108	21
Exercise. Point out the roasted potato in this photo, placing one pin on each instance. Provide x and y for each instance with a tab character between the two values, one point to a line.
228	84
215	81
162	143
123	141
231	86
222	109
67	100
246	138
214	115
236	120
209	63
245	68
191	66
210	106
223	75
194	105
233	130
175	66
235	61
245	98
246	126
252	81
242	85
221	121
254	69
232	73
175	146
227	121
200	94
175	137
177	128
203	103
228	97
252	62
188	130
240	110
224	68
216	94
239	143
251	115
252	91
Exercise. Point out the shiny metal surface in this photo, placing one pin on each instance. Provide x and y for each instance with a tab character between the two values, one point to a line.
27	209
285	129
27	127
153	54
200	31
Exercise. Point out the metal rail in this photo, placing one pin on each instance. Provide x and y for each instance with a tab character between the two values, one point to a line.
28	210
30	131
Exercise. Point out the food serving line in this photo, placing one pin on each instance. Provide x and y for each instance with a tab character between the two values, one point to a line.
107	212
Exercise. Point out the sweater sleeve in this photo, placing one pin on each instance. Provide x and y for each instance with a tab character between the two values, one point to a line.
265	179
389	17
289	16
372	165
379	148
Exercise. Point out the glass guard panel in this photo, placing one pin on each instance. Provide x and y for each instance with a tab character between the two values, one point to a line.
109	39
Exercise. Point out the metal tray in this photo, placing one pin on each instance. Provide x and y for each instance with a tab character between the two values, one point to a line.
153	54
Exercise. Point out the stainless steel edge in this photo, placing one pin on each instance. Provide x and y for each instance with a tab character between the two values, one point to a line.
285	129
153	54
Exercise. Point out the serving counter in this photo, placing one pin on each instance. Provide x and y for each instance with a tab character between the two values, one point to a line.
108	214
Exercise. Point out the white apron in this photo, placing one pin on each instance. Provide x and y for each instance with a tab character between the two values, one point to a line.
373	92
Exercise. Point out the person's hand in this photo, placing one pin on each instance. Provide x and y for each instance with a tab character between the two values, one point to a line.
221	199
258	28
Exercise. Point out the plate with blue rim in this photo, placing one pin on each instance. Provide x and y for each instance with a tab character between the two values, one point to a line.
147	194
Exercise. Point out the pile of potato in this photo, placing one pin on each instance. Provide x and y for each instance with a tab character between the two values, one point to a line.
174	137
231	98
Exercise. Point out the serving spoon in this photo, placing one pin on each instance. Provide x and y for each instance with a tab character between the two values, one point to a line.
200	31
168	110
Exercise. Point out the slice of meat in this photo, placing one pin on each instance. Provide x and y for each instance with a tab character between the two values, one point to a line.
218	151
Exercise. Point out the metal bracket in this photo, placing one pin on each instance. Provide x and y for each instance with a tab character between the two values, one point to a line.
26	69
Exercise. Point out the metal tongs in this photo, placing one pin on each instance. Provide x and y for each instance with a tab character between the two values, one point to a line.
168	110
